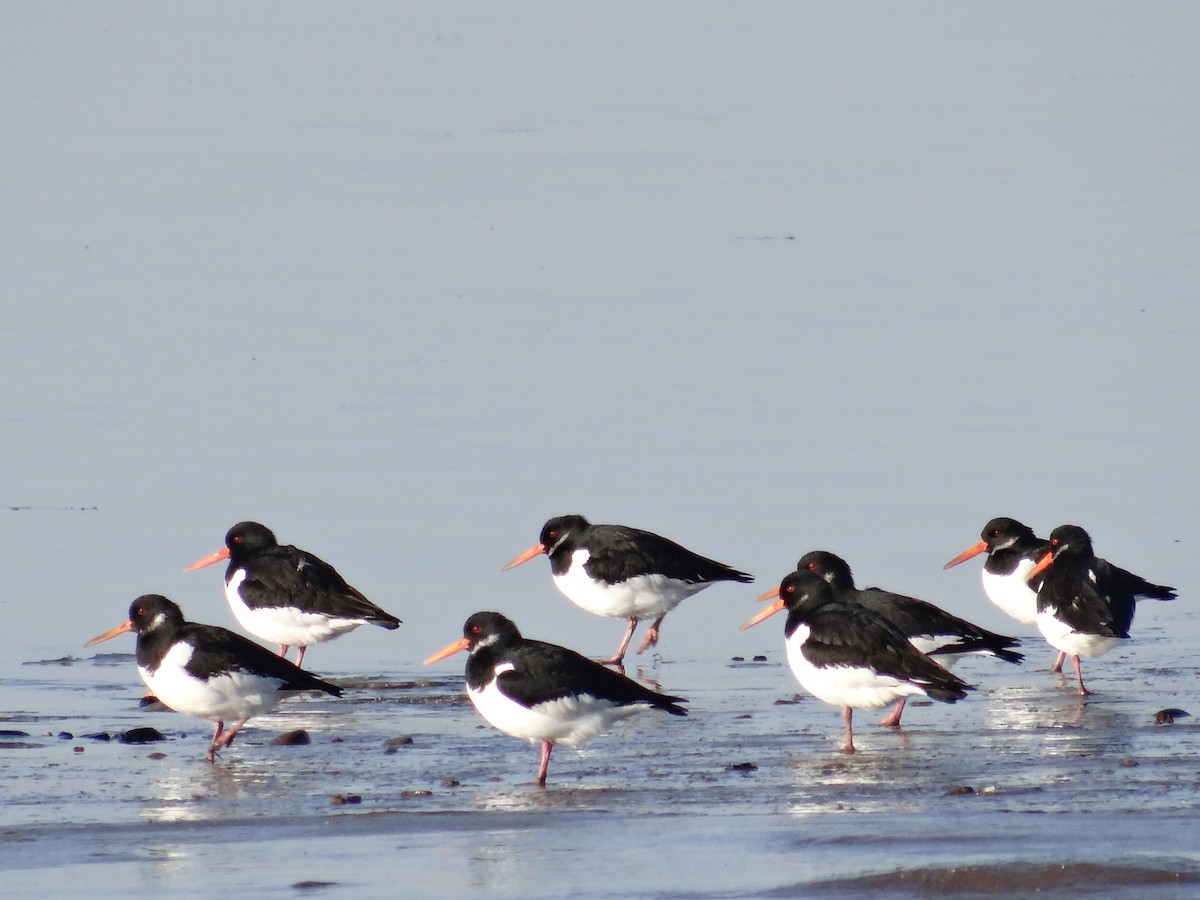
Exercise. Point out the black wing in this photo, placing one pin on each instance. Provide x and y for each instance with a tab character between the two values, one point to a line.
847	634
288	576
219	650
1086	602
1125	581
619	553
920	618
545	672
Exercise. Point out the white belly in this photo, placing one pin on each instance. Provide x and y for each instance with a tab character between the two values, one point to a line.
568	721
230	697
641	597
1012	594
284	624
1062	637
856	686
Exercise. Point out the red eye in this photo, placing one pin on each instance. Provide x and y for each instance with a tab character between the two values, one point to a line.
475	629
812	567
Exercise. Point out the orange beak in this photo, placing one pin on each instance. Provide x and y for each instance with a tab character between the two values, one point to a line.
763	614
448	650
1042	566
769	595
524	557
221	554
973	550
101	638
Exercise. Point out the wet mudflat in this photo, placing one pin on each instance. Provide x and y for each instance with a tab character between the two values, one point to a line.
1023	787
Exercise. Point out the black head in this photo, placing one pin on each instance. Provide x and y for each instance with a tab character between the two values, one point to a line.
560	531
486	628
1003	532
151	612
1070	540
804	588
246	538
830	566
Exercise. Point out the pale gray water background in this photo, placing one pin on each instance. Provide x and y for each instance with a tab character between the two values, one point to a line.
404	280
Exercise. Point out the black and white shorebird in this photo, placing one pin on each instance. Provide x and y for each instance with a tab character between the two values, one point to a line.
1085	604
208	671
1013	550
288	596
624	573
543	692
941	635
848	656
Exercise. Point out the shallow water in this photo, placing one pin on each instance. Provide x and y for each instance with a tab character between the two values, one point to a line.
402	281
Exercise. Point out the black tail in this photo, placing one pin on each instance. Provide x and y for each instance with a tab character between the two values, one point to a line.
669	704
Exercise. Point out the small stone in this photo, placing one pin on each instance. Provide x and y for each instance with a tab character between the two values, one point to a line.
960	790
1128	762
451	783
739	659
760	658
312	885
66	736
97	736
795	699
77	749
402	741
1168	716
741	767
291	738
343	799
417	792
144	735
157	754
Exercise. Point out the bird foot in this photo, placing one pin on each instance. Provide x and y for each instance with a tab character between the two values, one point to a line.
650	640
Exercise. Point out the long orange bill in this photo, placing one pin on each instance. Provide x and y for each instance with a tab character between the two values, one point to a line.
1042	566
768	595
763	614
973	550
524	557
221	554
112	633
448	650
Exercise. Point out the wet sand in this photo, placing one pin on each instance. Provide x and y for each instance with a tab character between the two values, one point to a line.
1022	787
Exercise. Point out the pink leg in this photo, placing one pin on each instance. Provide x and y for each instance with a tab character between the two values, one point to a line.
284	648
212	747
848	716
544	765
893	720
1058	662
617	658
300	656
651	638
1083	692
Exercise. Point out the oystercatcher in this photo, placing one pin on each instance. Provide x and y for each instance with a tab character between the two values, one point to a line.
208	671
544	692
1012	551
286	595
624	573
942	636
1085	604
848	656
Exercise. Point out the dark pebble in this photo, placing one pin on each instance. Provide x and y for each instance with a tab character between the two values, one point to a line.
760	658
795	699
145	735
77	749
418	792
739	659
292	738
312	885
1168	716
402	741
961	790
97	736
66	736
451	782
1128	763
151	703
344	799
157	754
741	767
